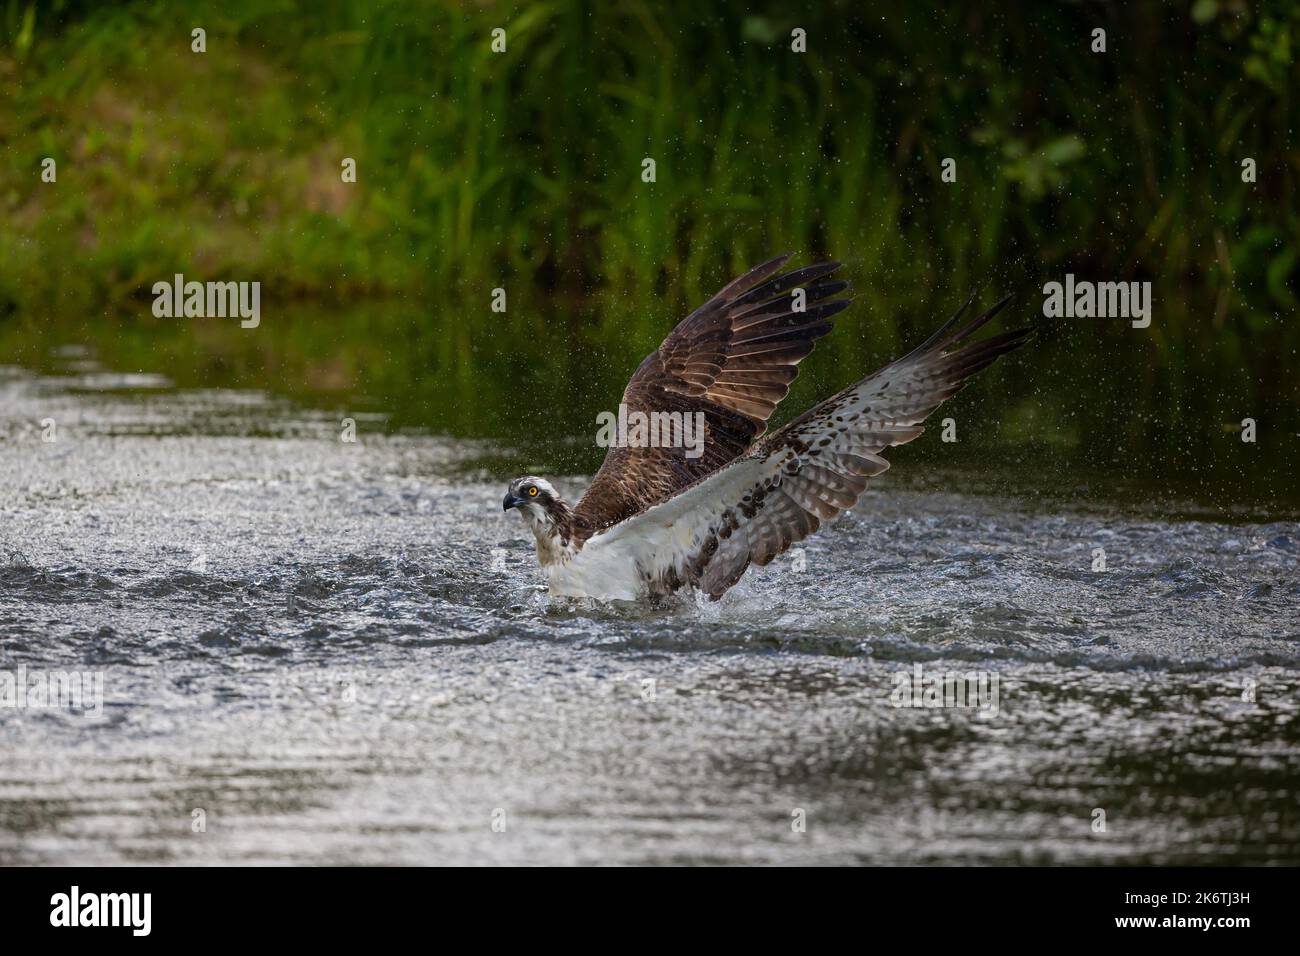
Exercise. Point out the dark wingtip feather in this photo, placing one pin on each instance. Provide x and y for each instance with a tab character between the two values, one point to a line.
943	329
977	323
780	284
750	279
967	361
937	342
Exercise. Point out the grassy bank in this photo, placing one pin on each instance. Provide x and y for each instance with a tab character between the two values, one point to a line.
475	166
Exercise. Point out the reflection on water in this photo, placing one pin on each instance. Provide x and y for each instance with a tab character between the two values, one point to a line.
1087	402
310	656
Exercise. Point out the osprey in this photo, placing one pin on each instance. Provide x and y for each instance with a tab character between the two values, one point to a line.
656	519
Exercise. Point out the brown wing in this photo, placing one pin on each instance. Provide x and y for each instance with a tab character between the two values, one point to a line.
732	359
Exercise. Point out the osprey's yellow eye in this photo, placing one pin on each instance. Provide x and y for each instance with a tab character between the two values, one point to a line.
532	492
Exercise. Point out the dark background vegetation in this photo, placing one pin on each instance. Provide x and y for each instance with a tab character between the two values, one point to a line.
522	170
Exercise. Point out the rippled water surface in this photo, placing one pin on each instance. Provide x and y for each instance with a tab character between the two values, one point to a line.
341	653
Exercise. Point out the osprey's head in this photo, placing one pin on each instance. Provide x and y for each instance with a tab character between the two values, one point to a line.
546	513
535	498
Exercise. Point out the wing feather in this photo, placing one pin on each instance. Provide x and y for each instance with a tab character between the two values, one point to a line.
732	360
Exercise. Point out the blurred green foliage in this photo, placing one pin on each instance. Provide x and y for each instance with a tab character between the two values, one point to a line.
522	170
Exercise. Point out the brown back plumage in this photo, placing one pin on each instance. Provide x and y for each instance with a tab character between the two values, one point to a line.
733	359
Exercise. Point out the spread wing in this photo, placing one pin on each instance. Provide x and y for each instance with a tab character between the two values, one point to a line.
733	360
811	470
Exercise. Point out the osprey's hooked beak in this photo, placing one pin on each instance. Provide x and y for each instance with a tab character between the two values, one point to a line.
511	501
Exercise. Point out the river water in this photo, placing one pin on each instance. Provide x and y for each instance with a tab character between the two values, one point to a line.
328	652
